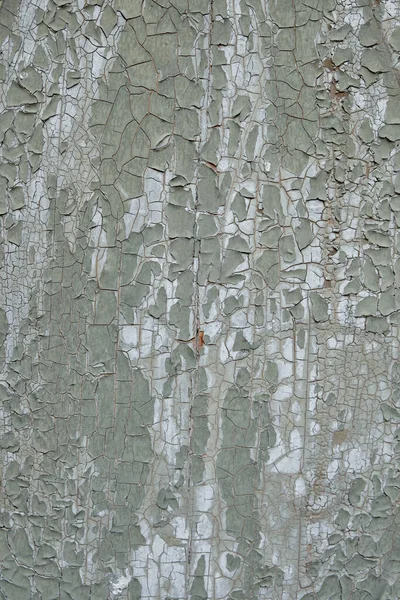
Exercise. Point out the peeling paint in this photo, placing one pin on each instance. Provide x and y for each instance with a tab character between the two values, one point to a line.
200	307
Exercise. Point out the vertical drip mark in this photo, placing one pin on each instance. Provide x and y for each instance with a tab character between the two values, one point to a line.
199	334
303	454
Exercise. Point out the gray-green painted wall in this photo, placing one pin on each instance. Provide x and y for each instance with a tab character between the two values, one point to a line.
200	299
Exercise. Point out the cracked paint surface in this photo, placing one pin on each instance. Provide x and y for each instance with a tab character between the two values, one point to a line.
200	306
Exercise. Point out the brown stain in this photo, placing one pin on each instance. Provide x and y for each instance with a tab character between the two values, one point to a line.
329	64
340	436
212	166
335	94
200	338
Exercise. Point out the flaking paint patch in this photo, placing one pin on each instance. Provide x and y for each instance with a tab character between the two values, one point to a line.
198	370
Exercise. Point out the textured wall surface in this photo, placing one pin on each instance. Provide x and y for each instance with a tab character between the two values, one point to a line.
200	299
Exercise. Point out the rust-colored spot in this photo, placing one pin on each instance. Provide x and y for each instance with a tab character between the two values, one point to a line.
329	64
335	94
200	338
212	166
